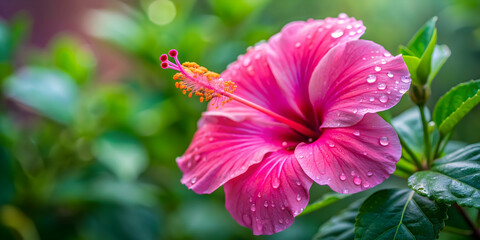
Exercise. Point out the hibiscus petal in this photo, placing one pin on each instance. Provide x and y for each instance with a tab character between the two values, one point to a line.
223	148
356	78
294	53
268	196
256	82
352	159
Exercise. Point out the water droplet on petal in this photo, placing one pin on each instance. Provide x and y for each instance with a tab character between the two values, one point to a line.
355	111
405	79
252	208
351	33
383	61
372	99
342	15
387	54
369	173
371	78
310	140
301	156
383	99
250	199
366	185
343	177
299	197
210	139
356	133
298	182
390	74
331	144
336	34
403	90
197	157
284	144
298	44
259	195
280	221
345	191
265	204
275	182
382	86
193	180
357	180
384	141
364	153
377	68
246	62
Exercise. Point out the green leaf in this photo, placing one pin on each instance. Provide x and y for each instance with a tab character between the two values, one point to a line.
424	66
49	92
454	178
455	104
72	57
412	63
399	214
419	43
326	200
122	154
440	55
405	51
341	226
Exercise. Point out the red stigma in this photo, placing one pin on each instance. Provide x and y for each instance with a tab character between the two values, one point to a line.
164	65
173	53
164	57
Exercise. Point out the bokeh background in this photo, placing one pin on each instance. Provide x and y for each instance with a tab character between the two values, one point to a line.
90	125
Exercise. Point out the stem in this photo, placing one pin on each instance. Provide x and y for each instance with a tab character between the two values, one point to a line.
458	231
417	162
437	148
426	136
470	223
405	170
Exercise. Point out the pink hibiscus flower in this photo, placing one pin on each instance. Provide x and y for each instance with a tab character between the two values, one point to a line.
304	111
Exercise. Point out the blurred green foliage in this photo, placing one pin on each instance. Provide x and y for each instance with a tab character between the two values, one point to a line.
86	158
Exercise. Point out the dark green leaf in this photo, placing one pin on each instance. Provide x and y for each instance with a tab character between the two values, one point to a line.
326	200
455	104
440	55
341	226
453	179
399	214
419	43
424	66
51	93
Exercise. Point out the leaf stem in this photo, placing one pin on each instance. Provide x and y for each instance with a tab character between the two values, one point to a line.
426	136
414	158
436	151
470	223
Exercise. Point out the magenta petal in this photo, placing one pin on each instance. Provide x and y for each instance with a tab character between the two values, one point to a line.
268	196
352	159
223	148
355	78
298	48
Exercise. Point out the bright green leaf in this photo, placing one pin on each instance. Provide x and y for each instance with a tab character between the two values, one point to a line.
341	226
412	63
123	154
405	51
326	200
419	43
453	179
49	92
424	66
399	214
440	55
455	104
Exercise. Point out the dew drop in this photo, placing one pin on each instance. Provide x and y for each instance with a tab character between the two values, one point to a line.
193	180
336	34
280	221
351	33
352	173
357	180
299	197
371	78
384	141
250	199
372	99
382	86
298	44
310	140
402	91
273	204
257	56
405	79
284	144
331	144
364	153
366	185
343	177
265	204
345	191
383	99
377	68
387	54
369	173
342	15
259	195
356	133
197	157
210	139
390	74
301	156
298	182
189	164
349	26
252	208
275	182
383	61
246	62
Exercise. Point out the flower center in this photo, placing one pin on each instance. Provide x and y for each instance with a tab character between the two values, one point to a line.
208	85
